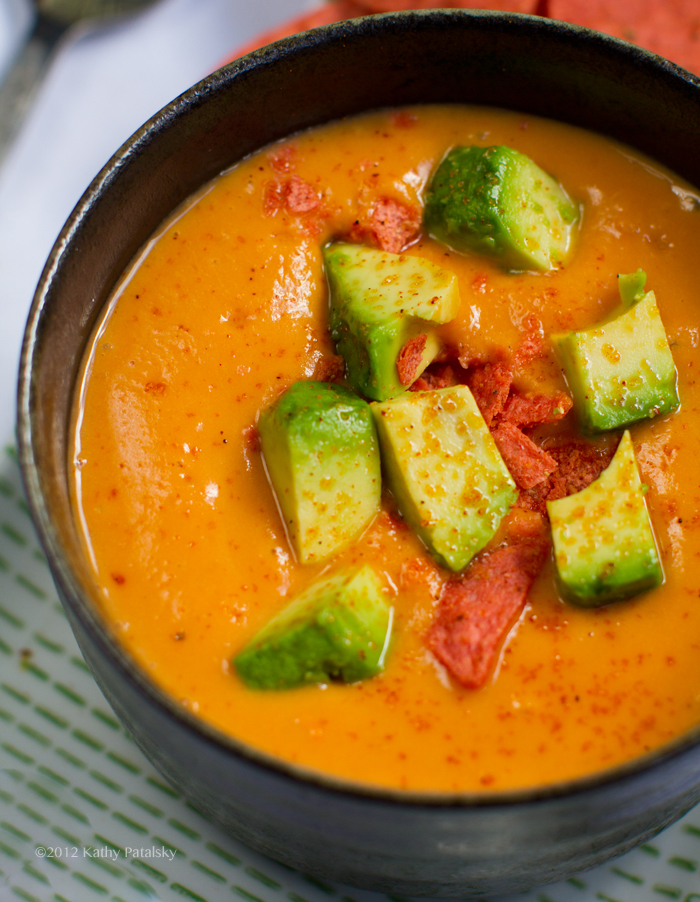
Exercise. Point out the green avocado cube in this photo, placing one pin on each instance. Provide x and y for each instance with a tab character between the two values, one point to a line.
379	302
444	470
339	629
604	546
497	202
320	449
621	371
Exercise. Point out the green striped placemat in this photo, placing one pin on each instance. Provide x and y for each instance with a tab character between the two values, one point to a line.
84	816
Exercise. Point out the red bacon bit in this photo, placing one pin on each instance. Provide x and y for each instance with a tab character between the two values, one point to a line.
300	196
394	224
490	385
533	410
251	436
409	359
282	160
477	609
329	369
528	464
272	198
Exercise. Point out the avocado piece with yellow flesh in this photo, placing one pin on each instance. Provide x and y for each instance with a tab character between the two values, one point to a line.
338	628
604	546
320	449
378	303
498	202
444	470
622	370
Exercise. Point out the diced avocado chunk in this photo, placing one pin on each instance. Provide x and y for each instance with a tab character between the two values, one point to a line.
631	287
622	370
604	546
444	470
339	628
320	449
496	201
380	302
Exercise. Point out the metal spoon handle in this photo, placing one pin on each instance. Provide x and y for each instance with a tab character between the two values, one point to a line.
24	77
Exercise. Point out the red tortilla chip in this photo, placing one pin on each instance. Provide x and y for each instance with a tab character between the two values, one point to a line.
533	410
300	196
409	359
578	465
670	28
528	464
477	609
339	10
490	385
394	224
335	11
393	6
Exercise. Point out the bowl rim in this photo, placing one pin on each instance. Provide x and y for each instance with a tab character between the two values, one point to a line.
83	604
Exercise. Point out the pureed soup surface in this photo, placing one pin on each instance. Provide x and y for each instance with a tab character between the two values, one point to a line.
227	307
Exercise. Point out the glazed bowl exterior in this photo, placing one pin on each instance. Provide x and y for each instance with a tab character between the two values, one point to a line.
443	844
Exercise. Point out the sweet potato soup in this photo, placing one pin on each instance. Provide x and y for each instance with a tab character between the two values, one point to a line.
227	309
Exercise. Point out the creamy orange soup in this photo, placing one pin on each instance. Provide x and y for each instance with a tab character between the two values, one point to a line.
226	307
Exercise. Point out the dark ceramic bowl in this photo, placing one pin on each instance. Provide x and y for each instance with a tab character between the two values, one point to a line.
400	842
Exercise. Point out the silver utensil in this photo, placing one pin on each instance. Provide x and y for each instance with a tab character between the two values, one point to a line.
53	21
